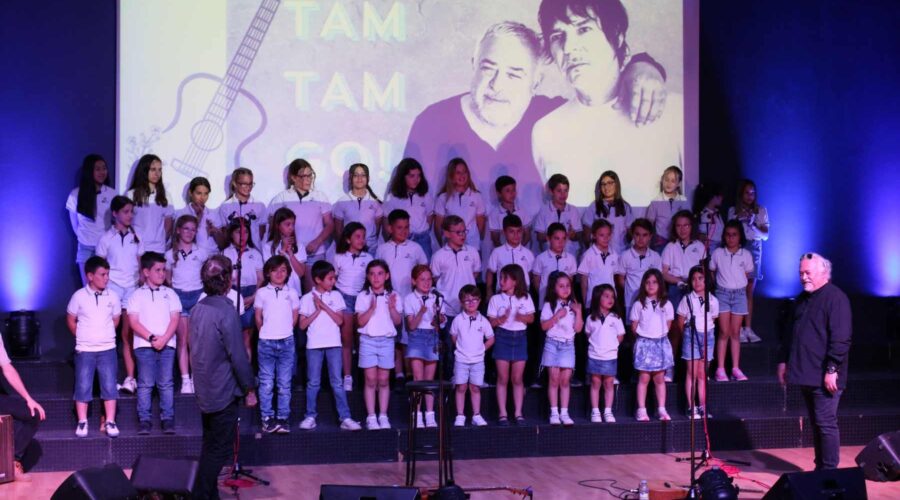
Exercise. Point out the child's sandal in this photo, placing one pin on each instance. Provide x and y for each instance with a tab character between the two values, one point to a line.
520	420
503	421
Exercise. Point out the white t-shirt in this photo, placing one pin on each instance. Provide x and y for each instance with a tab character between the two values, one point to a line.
569	216
633	266
401	258
300	255
419	208
204	239
751	223
88	231
620	224
153	308
692	305
546	263
603	337
496	214
599	268
278	305
365	210
232	295
564	329
652	318
94	312
505	255
233	209
350	271
186	270
251	263
710	223
413	302
731	268
500	303
380	324
122	252
323	331
470	333
679	259
661	210
467	205
149	221
453	269
310	213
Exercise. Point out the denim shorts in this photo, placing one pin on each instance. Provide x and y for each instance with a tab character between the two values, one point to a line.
349	303
558	353
755	249
693	349
732	300
468	373
188	300
247	319
105	364
424	241
83	253
510	345
123	293
607	367
422	345
376	351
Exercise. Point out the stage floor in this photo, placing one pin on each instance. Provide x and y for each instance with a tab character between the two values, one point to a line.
550	477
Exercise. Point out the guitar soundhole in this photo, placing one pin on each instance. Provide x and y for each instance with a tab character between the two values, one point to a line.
206	135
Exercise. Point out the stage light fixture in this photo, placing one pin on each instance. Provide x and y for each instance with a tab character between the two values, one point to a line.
716	485
22	334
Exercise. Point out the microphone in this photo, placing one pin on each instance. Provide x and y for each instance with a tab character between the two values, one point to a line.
437	293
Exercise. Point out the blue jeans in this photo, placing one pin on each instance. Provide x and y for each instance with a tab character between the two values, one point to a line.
276	364
314	358
155	368
105	364
822	407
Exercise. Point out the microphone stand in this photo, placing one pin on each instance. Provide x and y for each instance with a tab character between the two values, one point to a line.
445	458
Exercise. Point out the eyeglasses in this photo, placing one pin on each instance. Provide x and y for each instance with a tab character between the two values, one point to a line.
471	300
245	184
461	231
307	176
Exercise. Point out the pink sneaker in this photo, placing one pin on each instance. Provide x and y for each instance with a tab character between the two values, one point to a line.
736	374
721	376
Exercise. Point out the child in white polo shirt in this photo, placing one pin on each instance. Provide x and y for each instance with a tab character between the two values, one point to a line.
651	318
248	266
92	316
277	306
513	251
599	262
636	261
153	311
460	198
282	240
506	206
359	204
472	335
667	203
697	349
555	258
733	264
559	211
454	265
605	332
408	190
562	319
350	261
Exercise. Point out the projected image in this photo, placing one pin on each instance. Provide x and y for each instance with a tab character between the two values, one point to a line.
519	87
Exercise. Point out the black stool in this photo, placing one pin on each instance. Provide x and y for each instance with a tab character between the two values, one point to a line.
417	391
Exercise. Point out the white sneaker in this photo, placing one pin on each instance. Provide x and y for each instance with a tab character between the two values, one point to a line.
383	422
129	385
566	419
554	419
308	423
372	423
703	412
420	422
478	421
430	422
81	430
695	414
348	383
616	381
460	421
752	337
595	416
641	415
668	379
187	385
348	424
663	415
608	416
745	339
112	430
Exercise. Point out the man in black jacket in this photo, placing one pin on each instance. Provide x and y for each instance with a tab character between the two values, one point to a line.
814	355
222	372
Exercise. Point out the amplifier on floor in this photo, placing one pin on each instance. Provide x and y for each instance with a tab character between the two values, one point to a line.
880	459
833	484
96	483
170	476
348	492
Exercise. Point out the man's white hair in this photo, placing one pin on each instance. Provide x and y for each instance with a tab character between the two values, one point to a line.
825	263
524	34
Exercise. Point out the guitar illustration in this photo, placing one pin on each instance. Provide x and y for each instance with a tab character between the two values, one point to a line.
207	134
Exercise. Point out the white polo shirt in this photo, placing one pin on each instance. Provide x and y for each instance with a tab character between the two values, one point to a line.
310	211
564	329
505	255
467	205
153	308
470	333
208	216
633	266
419	208
88	231
546	263
300	255
603	336
413	303
363	209
278	305
751	225
599	268
94	313
232	295
620	224
233	209
122	251
350	271
497	213
711	224
186	270
251	262
454	269
149	221
401	258
323	332
731	268
680	258
500	303
693	305
661	210
569	216
652	318
380	324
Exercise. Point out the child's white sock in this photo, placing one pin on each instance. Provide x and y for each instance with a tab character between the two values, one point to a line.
554	410
607	409
595	410
565	411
